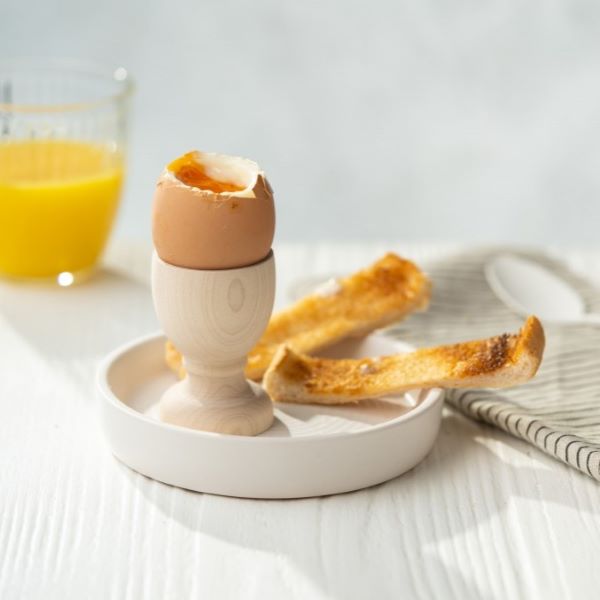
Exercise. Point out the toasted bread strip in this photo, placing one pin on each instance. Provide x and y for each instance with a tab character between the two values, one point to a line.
501	361
372	298
174	359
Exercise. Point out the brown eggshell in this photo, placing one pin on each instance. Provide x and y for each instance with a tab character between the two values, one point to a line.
201	229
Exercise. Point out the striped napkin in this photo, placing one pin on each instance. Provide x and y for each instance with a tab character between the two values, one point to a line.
559	410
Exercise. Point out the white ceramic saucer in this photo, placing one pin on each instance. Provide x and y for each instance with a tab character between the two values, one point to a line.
310	450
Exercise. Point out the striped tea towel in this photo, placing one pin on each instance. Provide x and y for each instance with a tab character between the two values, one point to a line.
559	410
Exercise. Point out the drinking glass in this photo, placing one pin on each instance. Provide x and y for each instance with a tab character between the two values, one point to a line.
63	127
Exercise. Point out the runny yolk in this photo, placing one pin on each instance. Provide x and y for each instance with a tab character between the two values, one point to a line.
189	171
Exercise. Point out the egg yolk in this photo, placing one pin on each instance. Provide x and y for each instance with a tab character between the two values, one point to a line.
189	171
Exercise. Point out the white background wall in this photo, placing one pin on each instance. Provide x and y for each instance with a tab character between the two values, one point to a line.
474	120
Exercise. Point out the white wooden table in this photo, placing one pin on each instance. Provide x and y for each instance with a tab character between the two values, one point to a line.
484	516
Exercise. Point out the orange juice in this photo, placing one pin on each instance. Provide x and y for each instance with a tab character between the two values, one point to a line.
58	200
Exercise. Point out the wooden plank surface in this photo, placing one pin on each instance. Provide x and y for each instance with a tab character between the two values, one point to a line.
484	516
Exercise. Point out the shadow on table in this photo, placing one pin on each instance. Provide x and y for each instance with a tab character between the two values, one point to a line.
82	322
368	543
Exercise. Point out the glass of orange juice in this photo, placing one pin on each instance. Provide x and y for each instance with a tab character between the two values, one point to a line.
63	127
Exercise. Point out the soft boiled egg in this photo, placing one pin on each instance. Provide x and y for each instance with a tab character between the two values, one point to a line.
213	211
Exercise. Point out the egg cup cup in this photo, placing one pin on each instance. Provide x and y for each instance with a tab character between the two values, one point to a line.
215	317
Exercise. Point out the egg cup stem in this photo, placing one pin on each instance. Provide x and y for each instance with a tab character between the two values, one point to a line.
215	317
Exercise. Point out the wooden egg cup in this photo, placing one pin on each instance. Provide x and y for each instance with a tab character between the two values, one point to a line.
214	318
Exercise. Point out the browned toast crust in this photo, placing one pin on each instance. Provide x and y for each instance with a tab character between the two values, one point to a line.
501	361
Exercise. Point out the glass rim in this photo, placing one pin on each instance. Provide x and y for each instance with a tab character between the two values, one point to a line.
118	75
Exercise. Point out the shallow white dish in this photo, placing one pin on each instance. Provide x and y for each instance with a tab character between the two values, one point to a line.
310	450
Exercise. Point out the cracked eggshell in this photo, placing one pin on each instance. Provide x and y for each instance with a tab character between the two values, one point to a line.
202	229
